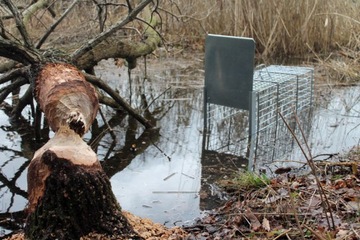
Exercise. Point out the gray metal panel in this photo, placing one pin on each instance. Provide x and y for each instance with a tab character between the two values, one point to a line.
229	68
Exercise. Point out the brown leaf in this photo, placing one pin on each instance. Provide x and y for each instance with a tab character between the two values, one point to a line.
266	224
254	222
339	184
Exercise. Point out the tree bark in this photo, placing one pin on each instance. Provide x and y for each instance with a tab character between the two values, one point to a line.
70	195
115	47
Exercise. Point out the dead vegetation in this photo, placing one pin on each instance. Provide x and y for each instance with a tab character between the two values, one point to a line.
289	207
318	32
280	28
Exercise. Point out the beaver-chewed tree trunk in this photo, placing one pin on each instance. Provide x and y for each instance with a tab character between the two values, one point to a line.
69	194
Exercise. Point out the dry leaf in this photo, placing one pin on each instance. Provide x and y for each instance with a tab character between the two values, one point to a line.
342	233
254	222
266	224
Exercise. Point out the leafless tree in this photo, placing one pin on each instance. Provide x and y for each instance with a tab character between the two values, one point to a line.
69	193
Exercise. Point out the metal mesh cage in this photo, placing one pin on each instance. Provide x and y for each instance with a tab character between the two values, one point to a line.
284	89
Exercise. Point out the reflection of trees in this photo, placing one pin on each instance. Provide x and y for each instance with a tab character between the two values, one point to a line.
133	147
118	161
14	220
24	129
11	184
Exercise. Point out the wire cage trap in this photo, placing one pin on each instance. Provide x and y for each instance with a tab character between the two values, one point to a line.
254	128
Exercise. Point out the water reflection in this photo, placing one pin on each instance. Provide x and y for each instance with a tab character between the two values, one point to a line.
164	180
13	172
336	124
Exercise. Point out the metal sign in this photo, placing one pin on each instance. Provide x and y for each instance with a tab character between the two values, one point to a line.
229	68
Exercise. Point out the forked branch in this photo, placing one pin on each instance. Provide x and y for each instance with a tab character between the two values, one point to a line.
101	37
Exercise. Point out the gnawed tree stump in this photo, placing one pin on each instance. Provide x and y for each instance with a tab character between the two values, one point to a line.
65	97
69	193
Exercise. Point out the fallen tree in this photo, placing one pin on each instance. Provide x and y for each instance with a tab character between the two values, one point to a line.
102	46
69	194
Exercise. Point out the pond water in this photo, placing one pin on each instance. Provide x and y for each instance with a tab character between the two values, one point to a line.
158	174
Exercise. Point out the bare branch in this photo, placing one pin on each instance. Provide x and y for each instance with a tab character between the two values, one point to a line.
19	22
23	101
52	28
13	74
5	91
129	6
118	48
102	14
92	43
17	52
30	11
2	30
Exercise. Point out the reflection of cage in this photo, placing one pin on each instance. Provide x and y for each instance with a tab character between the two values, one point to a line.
226	129
284	89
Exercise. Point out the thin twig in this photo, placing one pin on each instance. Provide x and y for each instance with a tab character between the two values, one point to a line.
52	28
313	170
147	107
282	234
152	28
318	236
295	212
19	23
303	136
313	164
107	124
